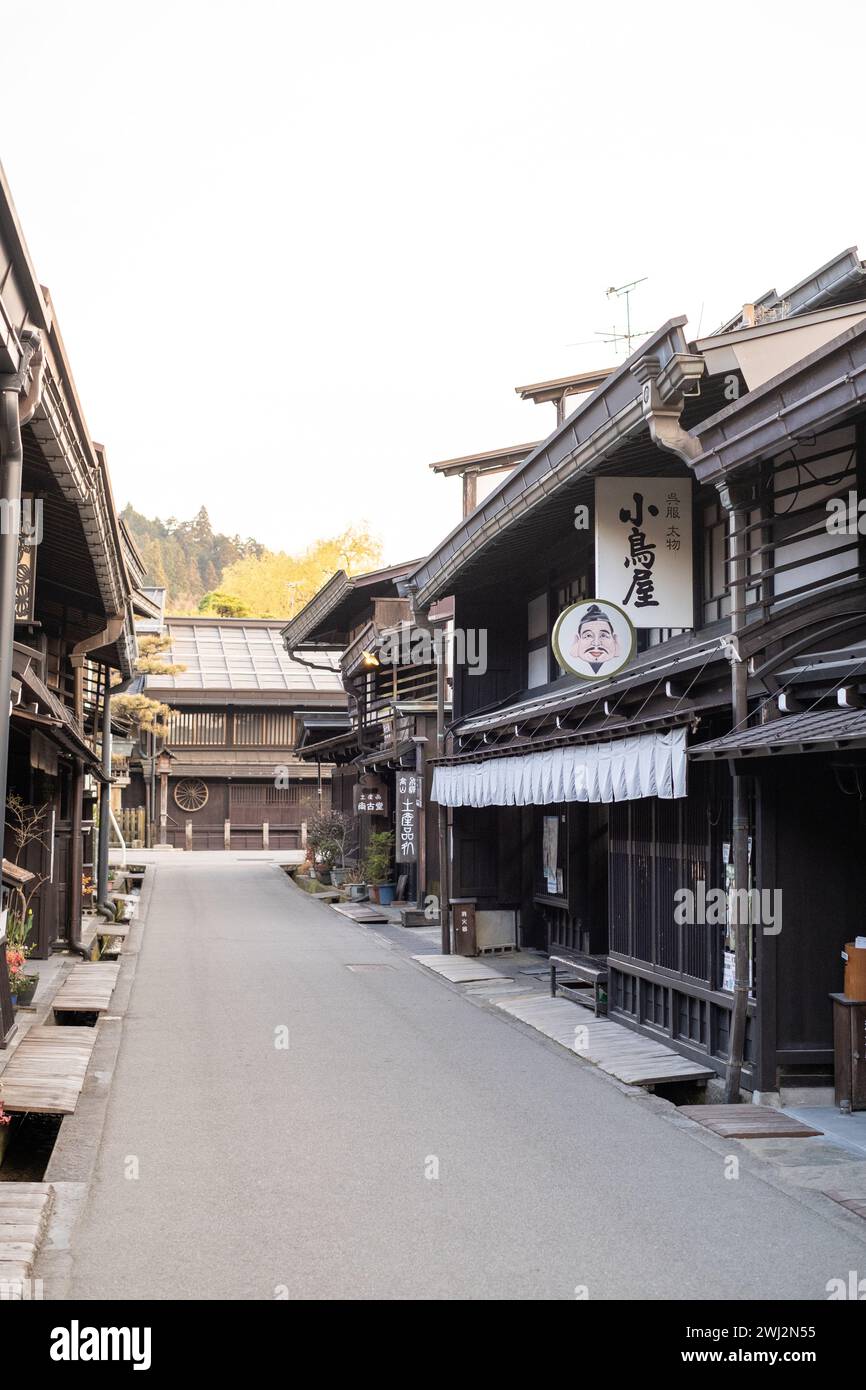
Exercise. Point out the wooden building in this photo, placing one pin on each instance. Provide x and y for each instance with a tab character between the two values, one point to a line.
74	596
591	809
389	673
228	776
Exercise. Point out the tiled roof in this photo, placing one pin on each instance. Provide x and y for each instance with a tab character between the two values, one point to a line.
815	731
234	654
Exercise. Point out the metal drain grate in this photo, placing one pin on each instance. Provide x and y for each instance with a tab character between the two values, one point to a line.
368	965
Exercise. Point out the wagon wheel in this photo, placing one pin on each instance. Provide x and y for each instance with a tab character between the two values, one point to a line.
191	794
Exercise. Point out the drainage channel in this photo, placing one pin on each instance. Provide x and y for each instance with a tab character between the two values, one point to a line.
26	1145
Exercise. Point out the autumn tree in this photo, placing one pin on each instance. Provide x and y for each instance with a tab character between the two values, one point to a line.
276	584
223	605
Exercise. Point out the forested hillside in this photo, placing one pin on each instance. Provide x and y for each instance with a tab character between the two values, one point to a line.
204	570
186	557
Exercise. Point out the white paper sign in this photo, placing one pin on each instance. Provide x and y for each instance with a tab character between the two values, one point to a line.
643	549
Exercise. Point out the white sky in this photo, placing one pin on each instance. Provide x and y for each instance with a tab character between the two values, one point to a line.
299	251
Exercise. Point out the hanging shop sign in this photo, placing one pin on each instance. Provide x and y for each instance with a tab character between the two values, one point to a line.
371	797
643	549
593	639
408	816
25	578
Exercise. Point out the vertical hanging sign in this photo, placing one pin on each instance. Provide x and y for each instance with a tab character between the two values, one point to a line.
643	549
408	809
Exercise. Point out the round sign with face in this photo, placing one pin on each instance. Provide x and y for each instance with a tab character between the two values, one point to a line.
593	639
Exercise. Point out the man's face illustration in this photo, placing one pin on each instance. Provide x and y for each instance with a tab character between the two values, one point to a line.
595	641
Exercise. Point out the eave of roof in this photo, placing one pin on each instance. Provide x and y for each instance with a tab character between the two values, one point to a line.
810	396
679	655
815	731
59	424
557	387
508	457
302	628
612	411
831	283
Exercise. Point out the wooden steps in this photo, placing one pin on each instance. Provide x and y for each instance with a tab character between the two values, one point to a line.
749	1122
460	970
88	988
24	1211
359	912
46	1072
629	1056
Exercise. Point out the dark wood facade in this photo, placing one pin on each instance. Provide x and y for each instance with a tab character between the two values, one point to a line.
388	670
804	642
233	780
74	604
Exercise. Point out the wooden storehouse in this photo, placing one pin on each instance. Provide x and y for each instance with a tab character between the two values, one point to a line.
228	775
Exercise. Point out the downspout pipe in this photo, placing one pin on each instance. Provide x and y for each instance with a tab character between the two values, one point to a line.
102	902
662	400
15	411
78	656
735	498
420	616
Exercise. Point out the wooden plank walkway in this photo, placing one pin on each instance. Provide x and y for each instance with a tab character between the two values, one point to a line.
88	988
46	1072
24	1211
359	912
460	969
749	1122
119	929
629	1056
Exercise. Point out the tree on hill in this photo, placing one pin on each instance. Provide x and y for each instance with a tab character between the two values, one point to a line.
186	558
223	605
277	585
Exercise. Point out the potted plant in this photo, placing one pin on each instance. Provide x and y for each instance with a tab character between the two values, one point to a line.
22	986
19	983
354	881
377	867
328	838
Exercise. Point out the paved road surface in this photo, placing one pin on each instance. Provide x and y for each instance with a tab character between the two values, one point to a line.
263	1169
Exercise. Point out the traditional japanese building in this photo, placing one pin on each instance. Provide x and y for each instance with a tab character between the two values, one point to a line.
227	776
380	775
695	490
69	577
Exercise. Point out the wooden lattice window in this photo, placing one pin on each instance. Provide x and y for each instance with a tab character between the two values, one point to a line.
197	728
264	729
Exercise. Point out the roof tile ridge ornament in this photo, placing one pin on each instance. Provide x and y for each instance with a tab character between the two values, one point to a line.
663	393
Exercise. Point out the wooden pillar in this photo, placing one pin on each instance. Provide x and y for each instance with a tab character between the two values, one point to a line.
76	856
163	808
470	492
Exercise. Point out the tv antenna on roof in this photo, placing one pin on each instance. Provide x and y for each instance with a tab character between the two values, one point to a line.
630	334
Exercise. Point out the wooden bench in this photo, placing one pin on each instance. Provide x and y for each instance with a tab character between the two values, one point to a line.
590	970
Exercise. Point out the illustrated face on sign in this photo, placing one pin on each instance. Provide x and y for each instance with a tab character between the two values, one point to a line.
593	640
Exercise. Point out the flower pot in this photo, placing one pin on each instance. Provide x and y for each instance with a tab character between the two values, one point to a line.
357	891
324	875
338	877
386	893
24	996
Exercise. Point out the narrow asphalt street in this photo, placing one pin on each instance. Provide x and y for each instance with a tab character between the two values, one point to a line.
304	1171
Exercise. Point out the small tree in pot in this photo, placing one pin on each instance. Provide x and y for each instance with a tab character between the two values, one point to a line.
377	866
330	840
